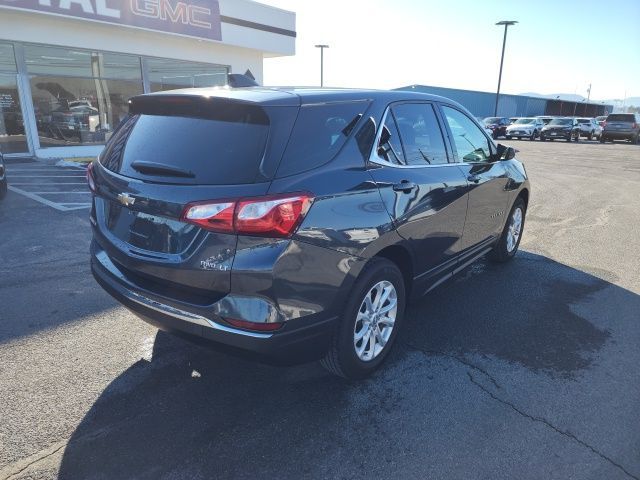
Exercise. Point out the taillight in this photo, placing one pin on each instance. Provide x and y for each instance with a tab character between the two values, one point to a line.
272	216
604	124
635	125
254	326
90	180
217	217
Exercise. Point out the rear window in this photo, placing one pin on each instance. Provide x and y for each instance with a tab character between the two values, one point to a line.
225	146
319	133
620	117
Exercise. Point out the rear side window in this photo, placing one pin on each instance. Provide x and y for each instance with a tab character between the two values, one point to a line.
621	117
224	148
420	134
318	135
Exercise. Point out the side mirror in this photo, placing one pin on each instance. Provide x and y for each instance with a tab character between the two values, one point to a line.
510	153
504	153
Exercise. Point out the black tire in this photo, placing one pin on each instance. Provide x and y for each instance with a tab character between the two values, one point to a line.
602	139
551	139
635	140
542	139
500	253
508	137
590	136
533	136
494	135
569	137
3	188
577	139
341	359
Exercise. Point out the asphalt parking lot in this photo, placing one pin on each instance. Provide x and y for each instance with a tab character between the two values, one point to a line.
527	370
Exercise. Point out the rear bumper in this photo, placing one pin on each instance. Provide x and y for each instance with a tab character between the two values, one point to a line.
300	340
619	134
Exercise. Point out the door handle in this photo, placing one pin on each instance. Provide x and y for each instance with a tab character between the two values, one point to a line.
473	178
404	186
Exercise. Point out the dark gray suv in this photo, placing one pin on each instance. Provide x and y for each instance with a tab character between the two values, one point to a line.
621	126
295	224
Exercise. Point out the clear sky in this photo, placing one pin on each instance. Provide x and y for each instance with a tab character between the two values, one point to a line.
559	46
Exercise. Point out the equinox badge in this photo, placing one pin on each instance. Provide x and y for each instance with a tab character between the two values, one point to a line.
126	199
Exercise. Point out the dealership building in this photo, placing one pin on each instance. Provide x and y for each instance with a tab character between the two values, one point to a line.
68	67
483	104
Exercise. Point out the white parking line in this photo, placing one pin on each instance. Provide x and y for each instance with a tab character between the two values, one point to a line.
38	198
40	181
50	184
47	176
58	193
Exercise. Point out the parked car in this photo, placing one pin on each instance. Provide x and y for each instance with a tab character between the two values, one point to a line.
77	117
566	128
621	126
487	130
601	119
296	224
497	125
588	127
545	119
3	178
528	127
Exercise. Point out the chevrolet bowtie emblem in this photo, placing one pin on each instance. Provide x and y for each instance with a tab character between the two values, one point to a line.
126	199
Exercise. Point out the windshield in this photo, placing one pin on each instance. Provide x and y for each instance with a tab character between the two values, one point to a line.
525	121
491	120
584	120
560	121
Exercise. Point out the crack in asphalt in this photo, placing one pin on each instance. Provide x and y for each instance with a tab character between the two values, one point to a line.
546	422
458	359
37	460
522	413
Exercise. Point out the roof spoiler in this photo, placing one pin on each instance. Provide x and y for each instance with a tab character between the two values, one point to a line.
238	80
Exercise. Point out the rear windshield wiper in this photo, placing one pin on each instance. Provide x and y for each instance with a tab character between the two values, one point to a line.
154	168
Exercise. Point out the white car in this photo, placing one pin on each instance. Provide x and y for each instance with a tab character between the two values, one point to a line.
526	127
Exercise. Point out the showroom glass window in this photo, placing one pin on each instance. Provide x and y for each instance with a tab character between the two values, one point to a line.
12	136
167	74
80	96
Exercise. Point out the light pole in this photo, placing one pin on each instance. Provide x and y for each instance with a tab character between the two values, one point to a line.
506	24
322	47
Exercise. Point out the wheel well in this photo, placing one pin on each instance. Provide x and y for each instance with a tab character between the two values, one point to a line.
402	258
524	194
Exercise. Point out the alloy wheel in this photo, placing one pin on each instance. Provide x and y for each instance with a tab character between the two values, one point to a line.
375	321
515	228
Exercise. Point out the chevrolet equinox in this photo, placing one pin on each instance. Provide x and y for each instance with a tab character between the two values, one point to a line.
295	224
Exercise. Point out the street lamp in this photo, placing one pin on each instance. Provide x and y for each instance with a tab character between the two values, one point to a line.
506	24
322	47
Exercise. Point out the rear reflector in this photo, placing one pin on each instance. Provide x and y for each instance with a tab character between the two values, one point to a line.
254	326
270	216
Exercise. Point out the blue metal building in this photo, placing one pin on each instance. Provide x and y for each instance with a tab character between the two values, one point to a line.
482	104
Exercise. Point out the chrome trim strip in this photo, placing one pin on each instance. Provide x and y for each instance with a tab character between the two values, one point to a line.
106	262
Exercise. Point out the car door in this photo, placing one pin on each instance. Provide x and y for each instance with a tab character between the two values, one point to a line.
488	180
424	193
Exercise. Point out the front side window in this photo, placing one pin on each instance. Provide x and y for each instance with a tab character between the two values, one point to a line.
470	142
420	134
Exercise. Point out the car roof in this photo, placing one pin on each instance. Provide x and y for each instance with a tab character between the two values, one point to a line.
295	96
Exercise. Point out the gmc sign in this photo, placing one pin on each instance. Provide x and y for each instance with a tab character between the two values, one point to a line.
193	18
